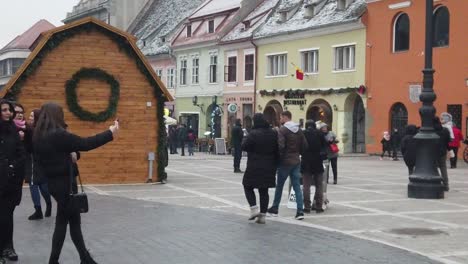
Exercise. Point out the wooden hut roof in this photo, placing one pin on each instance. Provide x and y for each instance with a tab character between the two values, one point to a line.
47	36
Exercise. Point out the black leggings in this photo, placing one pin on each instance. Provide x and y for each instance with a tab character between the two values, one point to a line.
6	225
334	166
250	195
66	215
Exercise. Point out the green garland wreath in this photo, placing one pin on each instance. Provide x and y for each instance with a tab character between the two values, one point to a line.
72	98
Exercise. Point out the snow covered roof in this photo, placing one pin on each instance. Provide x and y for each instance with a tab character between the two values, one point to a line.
160	21
328	15
25	40
255	19
287	5
216	6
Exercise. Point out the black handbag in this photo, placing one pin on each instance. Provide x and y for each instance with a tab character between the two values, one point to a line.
79	200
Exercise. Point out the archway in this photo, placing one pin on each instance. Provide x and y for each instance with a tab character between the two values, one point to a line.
272	112
398	117
359	126
321	110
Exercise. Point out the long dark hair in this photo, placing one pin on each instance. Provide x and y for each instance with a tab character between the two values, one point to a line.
7	126
51	119
36	113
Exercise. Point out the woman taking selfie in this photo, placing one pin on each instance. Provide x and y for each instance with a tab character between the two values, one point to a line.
53	146
11	178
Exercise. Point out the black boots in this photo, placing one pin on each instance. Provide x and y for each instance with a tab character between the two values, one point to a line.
237	170
88	259
48	211
37	214
10	254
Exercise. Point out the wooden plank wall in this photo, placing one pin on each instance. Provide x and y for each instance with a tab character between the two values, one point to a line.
125	159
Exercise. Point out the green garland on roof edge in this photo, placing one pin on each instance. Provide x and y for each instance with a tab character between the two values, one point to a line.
125	46
308	91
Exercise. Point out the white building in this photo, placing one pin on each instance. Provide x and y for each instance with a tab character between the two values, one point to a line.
117	13
17	50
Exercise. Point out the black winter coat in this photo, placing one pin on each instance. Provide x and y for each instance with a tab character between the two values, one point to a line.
408	146
312	162
12	153
237	135
263	157
53	155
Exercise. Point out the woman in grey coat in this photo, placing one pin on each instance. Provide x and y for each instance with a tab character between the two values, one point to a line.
330	138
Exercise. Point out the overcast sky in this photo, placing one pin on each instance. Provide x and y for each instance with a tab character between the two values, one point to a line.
18	15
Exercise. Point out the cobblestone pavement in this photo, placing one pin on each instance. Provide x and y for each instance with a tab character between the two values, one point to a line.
200	217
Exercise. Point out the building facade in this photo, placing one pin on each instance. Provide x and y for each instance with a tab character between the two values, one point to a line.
118	13
240	55
396	37
155	27
16	52
326	40
200	64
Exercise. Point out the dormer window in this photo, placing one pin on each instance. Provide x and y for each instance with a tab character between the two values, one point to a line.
246	24
144	43
211	27
283	16
309	11
189	31
163	39
341	5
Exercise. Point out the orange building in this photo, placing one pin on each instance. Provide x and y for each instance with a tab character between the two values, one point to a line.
395	59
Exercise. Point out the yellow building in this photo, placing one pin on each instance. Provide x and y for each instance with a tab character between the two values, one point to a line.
326	40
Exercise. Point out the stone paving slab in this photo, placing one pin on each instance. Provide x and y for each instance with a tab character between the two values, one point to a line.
120	230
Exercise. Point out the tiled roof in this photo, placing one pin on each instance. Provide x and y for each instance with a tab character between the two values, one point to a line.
25	40
216	6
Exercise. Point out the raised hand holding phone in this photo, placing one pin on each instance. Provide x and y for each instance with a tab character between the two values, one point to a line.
115	127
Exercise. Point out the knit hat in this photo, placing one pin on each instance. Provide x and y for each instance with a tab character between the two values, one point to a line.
320	124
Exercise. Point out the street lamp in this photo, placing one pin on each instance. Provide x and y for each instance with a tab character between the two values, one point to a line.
195	103
426	182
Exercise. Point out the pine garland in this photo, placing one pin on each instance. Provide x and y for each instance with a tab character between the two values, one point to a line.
72	98
301	92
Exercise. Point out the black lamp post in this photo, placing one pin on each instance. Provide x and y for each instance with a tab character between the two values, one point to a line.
426	182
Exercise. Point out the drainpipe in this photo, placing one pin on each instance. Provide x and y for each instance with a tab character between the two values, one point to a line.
255	77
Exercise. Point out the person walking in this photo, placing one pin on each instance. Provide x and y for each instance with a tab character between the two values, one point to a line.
261	144
12	159
386	145
408	147
443	144
173	142
191	138
33	174
454	145
291	143
332	151
53	146
312	167
237	134
182	138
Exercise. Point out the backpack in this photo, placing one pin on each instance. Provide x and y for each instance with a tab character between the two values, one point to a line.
191	136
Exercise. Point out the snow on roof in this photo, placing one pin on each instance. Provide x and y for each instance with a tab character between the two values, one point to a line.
161	19
329	15
217	6
256	18
287	5
25	40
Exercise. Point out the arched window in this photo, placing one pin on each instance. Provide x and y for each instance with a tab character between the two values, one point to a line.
441	27
401	33
398	117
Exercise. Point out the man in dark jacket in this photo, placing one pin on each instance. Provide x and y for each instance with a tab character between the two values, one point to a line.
396	141
236	142
312	166
291	143
408	147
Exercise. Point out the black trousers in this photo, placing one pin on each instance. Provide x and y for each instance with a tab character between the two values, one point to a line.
237	156
252	200
334	166
182	146
66	215
6	225
453	161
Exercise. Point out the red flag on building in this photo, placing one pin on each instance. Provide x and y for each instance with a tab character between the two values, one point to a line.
299	74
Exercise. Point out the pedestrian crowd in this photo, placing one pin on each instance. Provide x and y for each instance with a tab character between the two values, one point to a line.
41	152
276	154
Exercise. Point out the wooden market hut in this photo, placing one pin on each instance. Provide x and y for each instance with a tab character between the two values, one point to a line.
97	73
